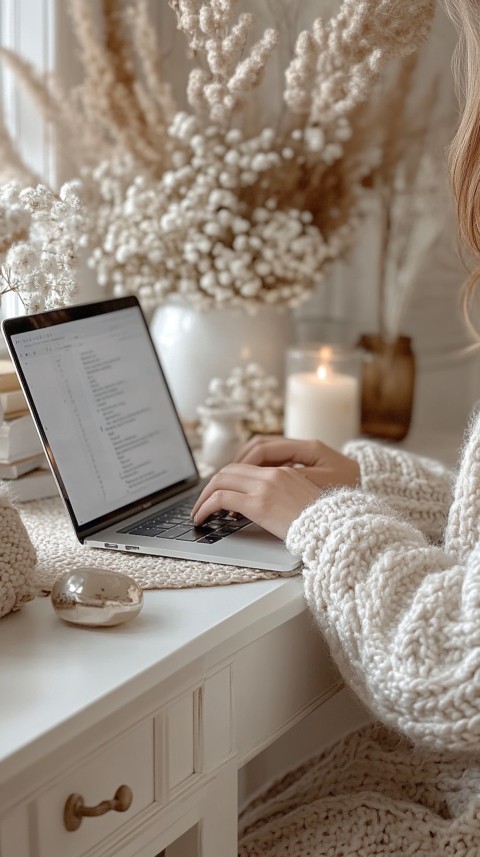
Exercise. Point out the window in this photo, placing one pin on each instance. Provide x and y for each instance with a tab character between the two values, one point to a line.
31	29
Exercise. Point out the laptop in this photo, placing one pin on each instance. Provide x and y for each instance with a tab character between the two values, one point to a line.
115	443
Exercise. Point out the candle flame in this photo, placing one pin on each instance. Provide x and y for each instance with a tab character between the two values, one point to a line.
322	373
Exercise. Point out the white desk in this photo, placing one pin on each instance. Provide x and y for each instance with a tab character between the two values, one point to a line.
170	705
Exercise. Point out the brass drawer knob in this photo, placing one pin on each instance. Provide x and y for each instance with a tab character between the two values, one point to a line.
75	808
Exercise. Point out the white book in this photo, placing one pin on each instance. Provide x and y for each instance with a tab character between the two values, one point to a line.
18	439
23	465
36	485
12	404
8	376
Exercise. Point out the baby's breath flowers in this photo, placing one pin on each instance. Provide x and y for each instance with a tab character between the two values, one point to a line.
198	232
40	239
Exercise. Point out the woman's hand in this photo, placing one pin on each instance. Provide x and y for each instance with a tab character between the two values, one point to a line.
324	466
271	496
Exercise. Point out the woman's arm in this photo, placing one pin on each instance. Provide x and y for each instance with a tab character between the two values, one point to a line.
419	488
401	617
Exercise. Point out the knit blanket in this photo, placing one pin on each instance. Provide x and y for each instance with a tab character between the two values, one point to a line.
58	551
372	794
17	558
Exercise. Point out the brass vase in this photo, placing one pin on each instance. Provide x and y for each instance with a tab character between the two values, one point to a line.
388	386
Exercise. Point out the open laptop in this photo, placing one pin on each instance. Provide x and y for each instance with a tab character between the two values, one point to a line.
115	443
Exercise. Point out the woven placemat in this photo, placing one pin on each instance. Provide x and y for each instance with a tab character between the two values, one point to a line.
59	551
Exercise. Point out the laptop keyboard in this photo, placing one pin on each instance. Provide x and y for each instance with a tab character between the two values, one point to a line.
176	523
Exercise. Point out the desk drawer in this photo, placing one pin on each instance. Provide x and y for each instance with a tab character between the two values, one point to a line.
129	761
279	679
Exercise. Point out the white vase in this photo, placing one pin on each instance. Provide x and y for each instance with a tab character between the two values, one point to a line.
195	346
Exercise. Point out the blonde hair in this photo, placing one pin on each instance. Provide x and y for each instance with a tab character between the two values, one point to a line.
464	157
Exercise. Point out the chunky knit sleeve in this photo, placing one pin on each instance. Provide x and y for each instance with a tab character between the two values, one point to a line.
401	616
419	488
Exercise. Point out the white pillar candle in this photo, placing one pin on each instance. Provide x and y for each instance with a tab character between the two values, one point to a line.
322	405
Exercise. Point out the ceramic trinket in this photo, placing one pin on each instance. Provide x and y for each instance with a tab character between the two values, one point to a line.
223	434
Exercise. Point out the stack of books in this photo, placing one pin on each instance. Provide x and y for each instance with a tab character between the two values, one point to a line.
22	462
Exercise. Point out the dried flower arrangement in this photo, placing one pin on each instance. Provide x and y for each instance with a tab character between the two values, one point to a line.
187	201
41	235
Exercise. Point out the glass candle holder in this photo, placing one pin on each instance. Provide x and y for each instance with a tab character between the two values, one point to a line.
322	393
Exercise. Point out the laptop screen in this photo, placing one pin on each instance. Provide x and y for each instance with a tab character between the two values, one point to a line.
104	407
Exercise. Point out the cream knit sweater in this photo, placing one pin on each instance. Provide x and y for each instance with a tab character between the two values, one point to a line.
392	577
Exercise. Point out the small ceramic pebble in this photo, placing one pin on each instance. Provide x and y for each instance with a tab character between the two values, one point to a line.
96	597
